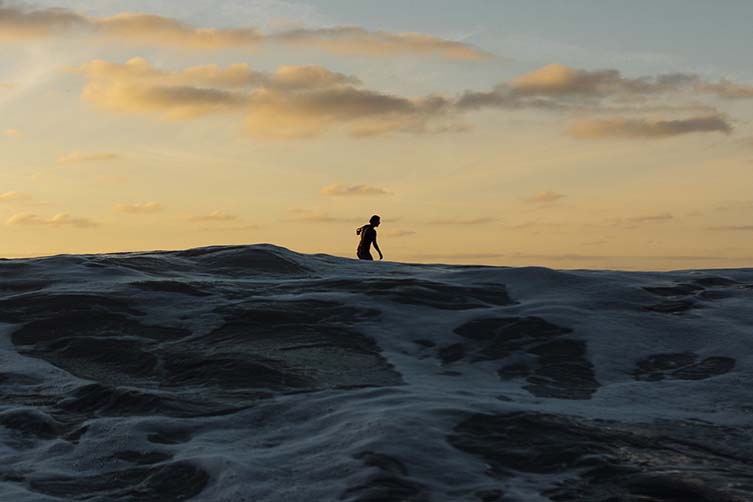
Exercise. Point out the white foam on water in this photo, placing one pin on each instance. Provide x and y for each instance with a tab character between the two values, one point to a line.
305	446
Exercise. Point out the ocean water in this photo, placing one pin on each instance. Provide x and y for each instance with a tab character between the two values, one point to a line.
256	373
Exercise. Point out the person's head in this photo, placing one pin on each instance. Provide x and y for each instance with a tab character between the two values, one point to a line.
374	221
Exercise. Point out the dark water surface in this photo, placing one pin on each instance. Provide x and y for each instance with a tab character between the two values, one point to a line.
255	373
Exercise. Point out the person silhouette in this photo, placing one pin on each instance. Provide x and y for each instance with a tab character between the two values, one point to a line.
368	237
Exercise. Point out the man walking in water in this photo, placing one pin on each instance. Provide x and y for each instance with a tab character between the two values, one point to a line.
368	236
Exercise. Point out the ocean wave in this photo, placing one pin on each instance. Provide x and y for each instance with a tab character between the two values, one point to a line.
257	373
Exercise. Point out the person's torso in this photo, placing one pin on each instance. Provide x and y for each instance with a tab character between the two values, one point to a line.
368	236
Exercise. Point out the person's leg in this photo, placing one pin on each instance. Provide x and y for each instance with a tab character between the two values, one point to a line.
363	253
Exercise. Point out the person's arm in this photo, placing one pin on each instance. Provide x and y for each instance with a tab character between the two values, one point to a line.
376	246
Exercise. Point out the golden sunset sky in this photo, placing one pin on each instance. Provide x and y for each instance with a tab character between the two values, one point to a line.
576	134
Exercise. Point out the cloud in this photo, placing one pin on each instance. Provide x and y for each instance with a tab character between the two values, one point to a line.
550	226
649	218
215	216
560	80
141	28
306	215
633	222
18	23
557	87
237	228
502	97
59	220
76	157
138	69
620	127
11	133
278	114
136	87
732	228
136	28
220	221
726	89
735	205
138	208
458	256
307	77
7	86
353	40
307	101
337	190
20	199
292	102
397	233
12	196
544	197
746	142
462	221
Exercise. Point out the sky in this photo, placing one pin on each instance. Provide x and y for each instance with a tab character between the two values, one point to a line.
583	134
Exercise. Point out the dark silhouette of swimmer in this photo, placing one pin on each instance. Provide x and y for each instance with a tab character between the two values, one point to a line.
368	237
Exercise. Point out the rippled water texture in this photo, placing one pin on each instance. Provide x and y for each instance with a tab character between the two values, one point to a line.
255	373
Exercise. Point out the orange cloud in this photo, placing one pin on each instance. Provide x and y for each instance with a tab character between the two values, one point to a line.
285	115
172	102
646	129
139	70
18	23
137	28
727	89
308	77
636	221
463	221
307	101
237	228
78	157
558	87
732	228
12	196
310	216
336	190
397	233
138	208
560	80
59	220
735	205
294	101
137	87
215	216
545	197
649	218
355	40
